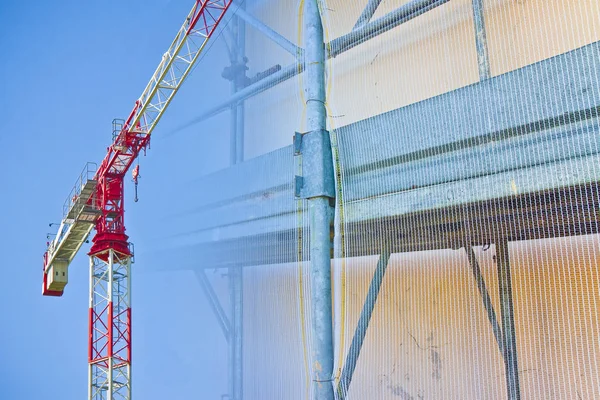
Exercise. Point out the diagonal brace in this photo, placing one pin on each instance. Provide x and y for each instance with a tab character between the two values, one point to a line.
214	303
485	296
508	321
367	14
363	324
505	336
270	33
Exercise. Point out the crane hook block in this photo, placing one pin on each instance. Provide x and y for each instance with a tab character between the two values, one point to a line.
135	173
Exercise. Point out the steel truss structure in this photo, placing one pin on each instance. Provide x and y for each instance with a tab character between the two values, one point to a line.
98	202
110	326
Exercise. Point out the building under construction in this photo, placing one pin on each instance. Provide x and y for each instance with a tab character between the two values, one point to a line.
411	210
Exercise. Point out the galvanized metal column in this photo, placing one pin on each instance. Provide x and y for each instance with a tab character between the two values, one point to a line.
236	153
235	274
318	169
483	59
237	337
363	324
508	321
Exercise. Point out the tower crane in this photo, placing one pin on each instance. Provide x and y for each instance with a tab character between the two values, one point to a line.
97	202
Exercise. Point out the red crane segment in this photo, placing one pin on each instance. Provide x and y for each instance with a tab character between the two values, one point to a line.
110	227
135	133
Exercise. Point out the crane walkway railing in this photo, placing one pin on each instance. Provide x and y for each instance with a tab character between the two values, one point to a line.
80	212
81	193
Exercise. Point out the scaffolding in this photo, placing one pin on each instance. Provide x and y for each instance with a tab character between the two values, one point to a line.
443	191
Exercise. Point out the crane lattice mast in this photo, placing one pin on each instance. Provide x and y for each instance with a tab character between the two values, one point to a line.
97	201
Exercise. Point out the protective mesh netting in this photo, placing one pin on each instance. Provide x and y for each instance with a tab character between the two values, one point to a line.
480	181
506	167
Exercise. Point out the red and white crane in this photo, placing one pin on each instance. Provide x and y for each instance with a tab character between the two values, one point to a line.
97	201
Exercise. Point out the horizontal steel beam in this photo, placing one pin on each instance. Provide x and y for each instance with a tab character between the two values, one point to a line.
542	133
381	25
336	47
273	80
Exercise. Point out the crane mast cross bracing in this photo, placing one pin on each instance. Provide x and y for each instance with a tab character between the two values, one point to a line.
96	201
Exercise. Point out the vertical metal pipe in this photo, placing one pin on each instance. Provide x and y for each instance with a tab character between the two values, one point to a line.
508	321
233	142
314	88
239	134
231	272
322	335
235	274
363	324
238	337
236	149
320	210
485	296
241	52
483	59
237	342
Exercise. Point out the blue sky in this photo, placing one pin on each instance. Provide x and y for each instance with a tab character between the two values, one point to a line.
69	67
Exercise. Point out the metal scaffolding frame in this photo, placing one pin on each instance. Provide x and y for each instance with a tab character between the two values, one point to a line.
233	327
317	186
334	48
236	286
548	207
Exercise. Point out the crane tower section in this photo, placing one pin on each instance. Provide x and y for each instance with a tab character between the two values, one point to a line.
97	201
